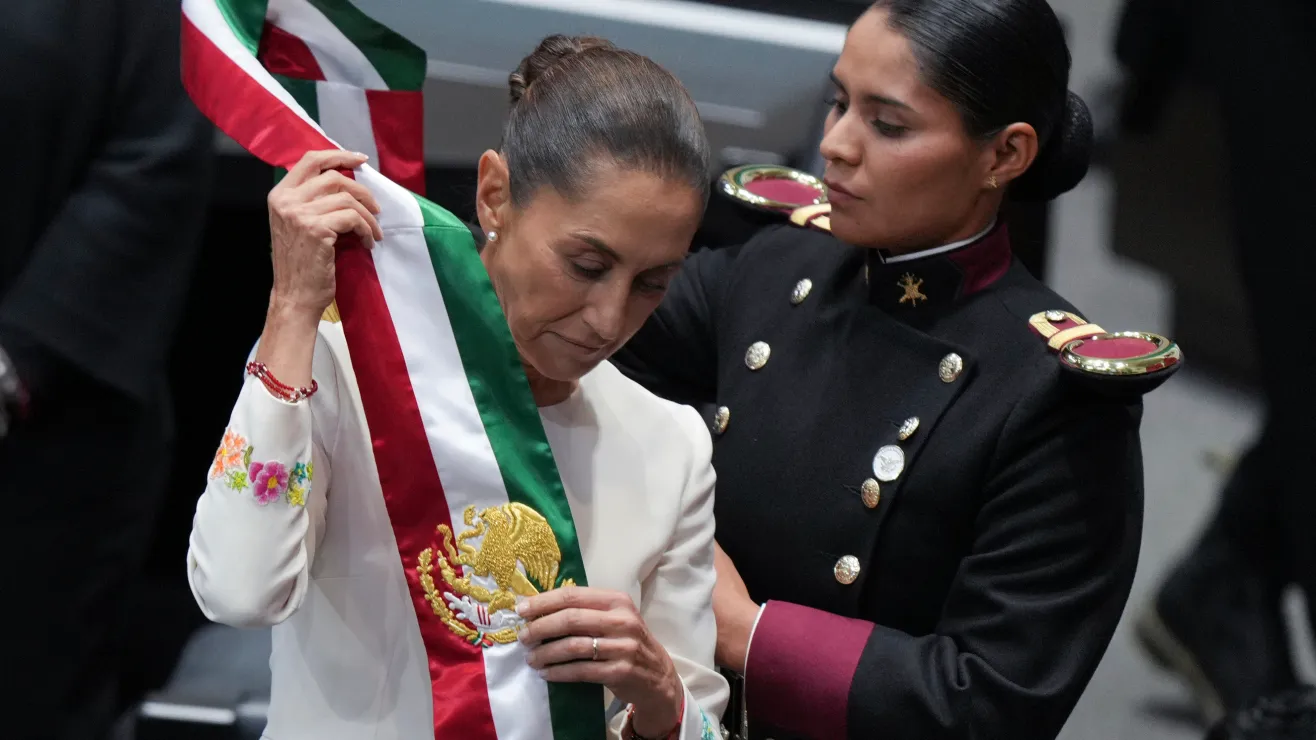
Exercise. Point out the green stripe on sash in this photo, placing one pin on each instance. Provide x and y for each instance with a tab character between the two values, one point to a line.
400	62
246	18
512	423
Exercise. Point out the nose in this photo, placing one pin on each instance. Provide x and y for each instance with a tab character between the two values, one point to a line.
605	314
839	145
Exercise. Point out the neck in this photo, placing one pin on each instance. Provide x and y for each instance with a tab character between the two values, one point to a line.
943	248
974	228
546	391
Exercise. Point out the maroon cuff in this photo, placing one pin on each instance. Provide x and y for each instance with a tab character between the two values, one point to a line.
800	666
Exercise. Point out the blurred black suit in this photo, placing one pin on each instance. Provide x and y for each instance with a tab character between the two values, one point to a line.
1221	604
106	176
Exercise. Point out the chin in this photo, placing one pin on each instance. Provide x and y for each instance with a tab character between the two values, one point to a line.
564	369
849	230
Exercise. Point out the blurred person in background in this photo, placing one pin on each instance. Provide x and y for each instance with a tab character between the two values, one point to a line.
103	204
1288	715
1217	620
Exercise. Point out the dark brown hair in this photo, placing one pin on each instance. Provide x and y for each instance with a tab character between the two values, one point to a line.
1001	62
579	100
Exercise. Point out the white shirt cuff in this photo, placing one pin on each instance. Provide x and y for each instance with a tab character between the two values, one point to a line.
752	629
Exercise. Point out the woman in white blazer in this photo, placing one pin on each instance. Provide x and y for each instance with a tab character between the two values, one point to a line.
589	207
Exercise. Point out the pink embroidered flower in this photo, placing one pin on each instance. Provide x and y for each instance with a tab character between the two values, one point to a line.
268	480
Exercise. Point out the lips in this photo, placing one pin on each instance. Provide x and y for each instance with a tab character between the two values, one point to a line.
582	345
833	188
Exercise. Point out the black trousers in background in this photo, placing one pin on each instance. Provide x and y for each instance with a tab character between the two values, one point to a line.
1264	62
81	485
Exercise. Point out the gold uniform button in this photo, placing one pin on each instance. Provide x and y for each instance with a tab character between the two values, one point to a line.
908	428
871	491
847	570
802	290
950	368
721	419
757	355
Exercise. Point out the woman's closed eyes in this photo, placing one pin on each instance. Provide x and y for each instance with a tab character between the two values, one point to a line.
593	272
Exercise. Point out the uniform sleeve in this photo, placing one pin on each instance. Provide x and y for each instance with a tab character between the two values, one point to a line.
677	598
1026	622
263	510
674	354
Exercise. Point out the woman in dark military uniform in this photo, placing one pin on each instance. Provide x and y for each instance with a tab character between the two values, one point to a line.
929	472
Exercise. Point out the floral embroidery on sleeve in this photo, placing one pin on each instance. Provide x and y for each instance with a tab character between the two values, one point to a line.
710	730
230	455
268	481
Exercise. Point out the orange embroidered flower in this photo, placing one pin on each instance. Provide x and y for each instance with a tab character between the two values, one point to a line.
231	451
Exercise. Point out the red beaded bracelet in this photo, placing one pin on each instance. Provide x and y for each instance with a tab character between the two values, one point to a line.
629	728
277	388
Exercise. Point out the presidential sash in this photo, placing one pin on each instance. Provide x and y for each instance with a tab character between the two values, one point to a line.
469	481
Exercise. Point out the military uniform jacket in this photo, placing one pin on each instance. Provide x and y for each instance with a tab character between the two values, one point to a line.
943	524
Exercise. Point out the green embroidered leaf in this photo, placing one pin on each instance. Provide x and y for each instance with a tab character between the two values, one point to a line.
237	480
246	457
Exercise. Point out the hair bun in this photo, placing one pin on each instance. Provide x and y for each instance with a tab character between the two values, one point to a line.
550	52
1063	161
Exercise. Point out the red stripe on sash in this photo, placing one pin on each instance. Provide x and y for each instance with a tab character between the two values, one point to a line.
241	107
255	118
284	54
398	120
412	491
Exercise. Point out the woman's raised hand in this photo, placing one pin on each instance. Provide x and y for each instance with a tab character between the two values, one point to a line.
563	628
310	208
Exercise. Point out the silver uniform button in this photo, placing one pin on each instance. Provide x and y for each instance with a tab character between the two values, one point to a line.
847	570
757	355
802	290
871	492
908	428
950	368
889	463
1055	317
721	419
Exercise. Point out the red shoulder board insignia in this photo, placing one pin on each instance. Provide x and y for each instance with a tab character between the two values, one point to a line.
772	188
1127	361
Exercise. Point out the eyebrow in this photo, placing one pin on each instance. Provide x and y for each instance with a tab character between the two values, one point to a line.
884	100
599	245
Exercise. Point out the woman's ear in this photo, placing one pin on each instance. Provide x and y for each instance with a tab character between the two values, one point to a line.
1013	151
493	192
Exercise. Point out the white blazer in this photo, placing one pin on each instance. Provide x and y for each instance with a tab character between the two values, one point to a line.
321	565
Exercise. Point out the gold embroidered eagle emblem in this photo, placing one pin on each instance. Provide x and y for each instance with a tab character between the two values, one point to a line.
912	286
480	604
